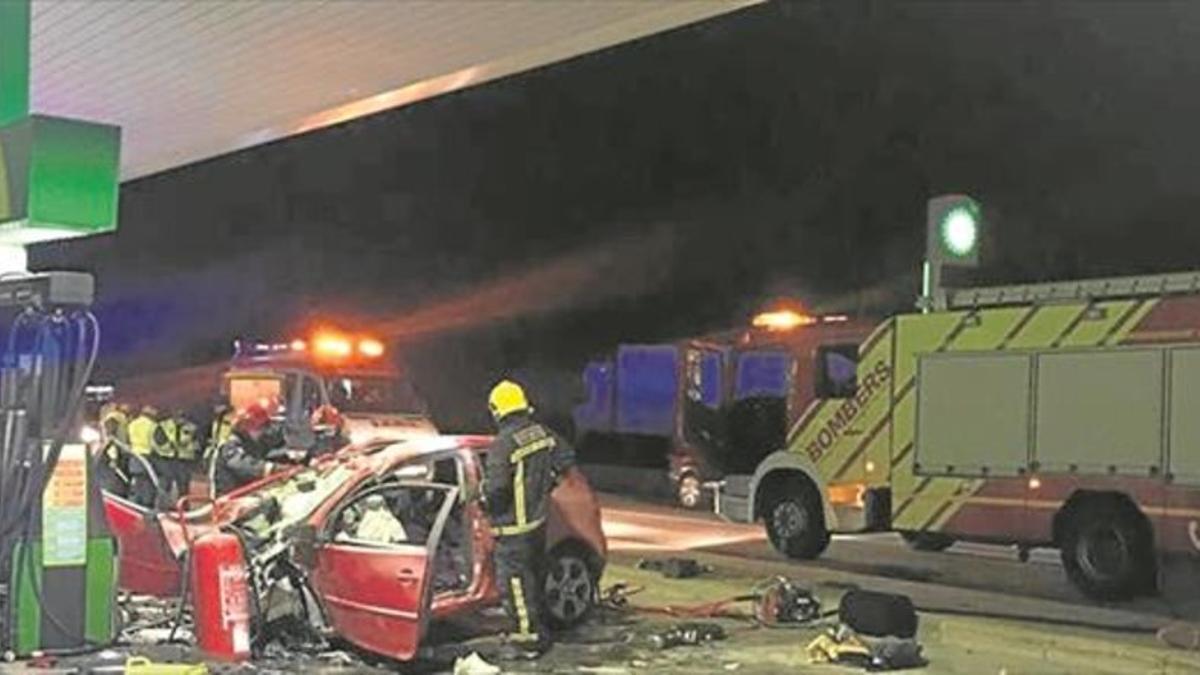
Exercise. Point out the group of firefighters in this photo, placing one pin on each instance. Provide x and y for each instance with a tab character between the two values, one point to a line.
151	458
155	457
153	453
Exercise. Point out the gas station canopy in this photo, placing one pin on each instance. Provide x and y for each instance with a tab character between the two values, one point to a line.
192	80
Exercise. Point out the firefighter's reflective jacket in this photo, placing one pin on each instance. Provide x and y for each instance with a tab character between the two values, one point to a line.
524	464
163	441
115	429
187	443
237	462
219	432
141	435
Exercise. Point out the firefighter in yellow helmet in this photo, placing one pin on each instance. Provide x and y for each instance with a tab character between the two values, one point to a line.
524	464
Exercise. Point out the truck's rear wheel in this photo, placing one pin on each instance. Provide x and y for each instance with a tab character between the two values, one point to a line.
927	541
1107	551
796	525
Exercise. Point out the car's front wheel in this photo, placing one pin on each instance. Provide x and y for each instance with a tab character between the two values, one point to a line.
570	588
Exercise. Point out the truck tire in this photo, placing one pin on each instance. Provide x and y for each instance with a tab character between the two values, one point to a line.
1108	551
796	524
927	541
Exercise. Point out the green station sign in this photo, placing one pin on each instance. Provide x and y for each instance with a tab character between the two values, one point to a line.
58	177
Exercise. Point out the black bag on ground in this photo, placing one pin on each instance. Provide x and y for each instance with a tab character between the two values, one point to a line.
878	614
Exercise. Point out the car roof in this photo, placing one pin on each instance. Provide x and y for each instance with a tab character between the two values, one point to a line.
380	455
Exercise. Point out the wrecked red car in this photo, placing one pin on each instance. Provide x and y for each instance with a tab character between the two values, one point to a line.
370	544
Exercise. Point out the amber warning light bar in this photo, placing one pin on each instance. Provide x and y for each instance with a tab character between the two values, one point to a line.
325	346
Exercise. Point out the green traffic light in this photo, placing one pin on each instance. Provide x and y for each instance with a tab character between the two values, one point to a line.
960	230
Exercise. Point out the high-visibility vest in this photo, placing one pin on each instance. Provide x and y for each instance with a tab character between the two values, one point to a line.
141	435
164	439
186	446
114	429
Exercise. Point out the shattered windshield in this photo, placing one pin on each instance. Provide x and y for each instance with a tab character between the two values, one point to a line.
294	500
358	394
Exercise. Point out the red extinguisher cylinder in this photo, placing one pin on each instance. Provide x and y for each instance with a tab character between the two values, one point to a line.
221	597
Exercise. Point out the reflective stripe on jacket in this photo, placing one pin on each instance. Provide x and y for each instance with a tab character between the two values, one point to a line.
523	466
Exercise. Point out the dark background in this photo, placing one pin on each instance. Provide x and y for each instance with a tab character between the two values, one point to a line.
670	186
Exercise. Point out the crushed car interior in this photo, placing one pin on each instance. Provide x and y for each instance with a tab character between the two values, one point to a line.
369	544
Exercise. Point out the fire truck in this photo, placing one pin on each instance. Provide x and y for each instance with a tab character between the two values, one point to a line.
705	407
351	373
1037	415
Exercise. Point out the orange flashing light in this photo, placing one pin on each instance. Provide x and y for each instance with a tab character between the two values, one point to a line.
370	347
784	319
332	346
847	494
299	345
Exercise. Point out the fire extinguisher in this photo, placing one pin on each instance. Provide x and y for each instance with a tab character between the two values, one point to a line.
221	597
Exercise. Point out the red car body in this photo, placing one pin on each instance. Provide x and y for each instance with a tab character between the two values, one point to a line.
380	597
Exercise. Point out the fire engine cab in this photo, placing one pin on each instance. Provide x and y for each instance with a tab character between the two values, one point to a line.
352	373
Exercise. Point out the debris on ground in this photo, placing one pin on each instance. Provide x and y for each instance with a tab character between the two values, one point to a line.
688	634
1181	636
474	665
781	601
842	646
878	614
140	665
617	595
896	654
675	568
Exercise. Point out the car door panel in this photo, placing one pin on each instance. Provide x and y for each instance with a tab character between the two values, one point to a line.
378	596
146	563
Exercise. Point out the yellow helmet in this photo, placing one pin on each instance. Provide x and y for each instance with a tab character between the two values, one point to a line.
507	398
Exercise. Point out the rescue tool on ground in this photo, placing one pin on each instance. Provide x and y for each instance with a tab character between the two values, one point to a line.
1055	414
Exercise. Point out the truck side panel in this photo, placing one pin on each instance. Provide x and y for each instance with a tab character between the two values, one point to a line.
974	435
1115	421
923	499
1184	439
1099	412
648	380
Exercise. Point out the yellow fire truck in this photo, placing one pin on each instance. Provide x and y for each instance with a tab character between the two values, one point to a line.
1059	414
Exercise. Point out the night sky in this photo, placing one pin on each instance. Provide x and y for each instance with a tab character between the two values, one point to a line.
669	186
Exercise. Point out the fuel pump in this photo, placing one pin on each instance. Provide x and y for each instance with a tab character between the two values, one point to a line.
57	569
58	180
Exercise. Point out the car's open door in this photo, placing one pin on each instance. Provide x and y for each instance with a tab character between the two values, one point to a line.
147	564
377	586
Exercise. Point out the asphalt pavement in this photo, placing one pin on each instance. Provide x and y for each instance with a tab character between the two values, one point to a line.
637	529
